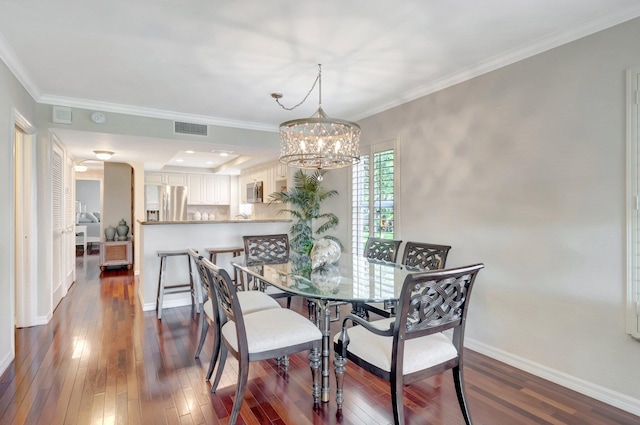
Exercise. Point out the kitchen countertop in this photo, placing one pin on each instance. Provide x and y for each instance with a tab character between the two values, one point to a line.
263	220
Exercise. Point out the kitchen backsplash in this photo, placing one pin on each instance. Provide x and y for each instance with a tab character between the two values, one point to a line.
223	212
213	212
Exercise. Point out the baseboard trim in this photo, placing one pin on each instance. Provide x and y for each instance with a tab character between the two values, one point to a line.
168	303
58	295
605	395
43	320
4	364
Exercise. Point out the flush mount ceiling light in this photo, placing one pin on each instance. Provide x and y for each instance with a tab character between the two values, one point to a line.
221	152
103	155
319	141
80	168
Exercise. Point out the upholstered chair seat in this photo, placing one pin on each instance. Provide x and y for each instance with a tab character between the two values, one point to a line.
272	330
419	353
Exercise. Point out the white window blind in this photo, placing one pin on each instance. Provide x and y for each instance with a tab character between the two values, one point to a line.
373	207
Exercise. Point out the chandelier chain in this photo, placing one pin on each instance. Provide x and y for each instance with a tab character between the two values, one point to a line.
318	79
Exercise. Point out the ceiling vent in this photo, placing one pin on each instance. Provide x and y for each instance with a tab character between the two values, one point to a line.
190	128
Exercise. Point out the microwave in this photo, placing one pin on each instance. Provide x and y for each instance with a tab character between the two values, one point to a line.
254	193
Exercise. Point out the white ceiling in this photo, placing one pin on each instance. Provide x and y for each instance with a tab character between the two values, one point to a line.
217	62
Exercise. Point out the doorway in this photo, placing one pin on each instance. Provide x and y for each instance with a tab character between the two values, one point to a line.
88	215
25	312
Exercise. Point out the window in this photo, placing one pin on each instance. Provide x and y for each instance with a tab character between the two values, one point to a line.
633	204
373	193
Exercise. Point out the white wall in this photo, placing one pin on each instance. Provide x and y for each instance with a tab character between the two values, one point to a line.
524	169
12	96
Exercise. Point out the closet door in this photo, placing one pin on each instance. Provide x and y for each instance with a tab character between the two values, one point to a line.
58	260
69	239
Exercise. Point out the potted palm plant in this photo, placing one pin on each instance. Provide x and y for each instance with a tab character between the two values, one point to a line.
304	201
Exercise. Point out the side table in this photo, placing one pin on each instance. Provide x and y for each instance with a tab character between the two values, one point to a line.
116	253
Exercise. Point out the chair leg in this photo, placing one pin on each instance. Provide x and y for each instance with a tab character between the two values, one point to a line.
397	401
215	353
243	374
458	381
221	363
314	363
159	299
339	367
204	328
289	303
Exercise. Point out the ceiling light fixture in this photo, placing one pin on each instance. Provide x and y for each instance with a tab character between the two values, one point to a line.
80	168
319	141
103	155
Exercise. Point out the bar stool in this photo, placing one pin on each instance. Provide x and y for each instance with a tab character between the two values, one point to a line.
238	278
175	288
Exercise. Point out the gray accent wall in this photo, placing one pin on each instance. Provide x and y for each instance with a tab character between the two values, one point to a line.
523	169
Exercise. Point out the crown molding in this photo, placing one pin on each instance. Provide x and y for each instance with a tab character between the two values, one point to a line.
507	58
18	70
15	66
152	113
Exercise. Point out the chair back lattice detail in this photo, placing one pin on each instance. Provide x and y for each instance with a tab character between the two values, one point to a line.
432	302
382	249
425	256
220	282
267	249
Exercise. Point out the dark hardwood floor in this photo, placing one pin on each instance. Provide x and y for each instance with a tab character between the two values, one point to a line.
102	360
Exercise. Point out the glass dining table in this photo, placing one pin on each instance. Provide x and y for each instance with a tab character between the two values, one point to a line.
354	279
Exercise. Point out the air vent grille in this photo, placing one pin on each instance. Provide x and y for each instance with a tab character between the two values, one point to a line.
190	128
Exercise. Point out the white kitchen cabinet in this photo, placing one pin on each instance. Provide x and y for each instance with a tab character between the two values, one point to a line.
195	189
171	179
208	189
153	178
221	190
175	179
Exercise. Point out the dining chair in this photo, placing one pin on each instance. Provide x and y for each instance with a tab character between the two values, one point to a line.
250	302
382	250
424	256
412	346
260	335
267	249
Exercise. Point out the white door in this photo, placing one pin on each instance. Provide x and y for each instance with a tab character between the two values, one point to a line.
24	301
58	260
24	223
69	239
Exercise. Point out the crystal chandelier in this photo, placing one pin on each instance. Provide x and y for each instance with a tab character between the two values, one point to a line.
318	142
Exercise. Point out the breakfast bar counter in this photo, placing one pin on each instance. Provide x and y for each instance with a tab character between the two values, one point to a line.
181	235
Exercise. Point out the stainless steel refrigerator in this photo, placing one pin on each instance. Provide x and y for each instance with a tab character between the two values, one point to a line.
166	203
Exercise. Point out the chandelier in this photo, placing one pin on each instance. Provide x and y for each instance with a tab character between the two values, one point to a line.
318	142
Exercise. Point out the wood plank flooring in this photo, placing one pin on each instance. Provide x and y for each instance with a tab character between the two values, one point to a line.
102	360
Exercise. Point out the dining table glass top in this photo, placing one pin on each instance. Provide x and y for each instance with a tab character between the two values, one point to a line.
353	278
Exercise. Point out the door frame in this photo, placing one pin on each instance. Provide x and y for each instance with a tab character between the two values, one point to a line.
23	287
